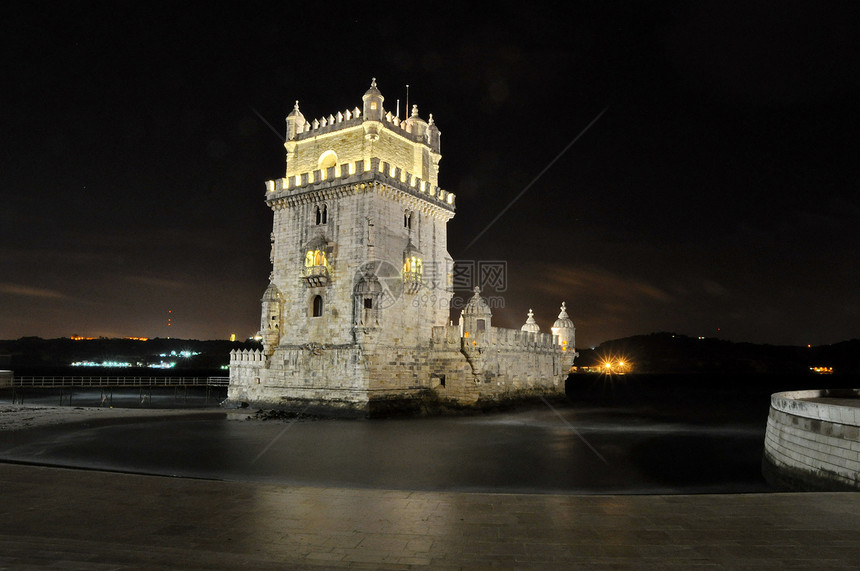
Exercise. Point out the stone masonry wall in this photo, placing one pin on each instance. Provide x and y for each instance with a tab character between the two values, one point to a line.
813	445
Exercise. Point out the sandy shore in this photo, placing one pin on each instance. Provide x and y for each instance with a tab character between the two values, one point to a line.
22	416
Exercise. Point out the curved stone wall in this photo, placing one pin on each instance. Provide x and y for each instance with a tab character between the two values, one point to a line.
813	440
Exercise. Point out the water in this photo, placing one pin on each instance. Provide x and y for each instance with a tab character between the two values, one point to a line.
579	447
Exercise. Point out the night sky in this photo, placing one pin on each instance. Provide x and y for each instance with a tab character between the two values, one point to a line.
716	196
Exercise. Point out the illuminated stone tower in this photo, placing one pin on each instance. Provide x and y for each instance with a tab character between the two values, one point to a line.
356	313
360	267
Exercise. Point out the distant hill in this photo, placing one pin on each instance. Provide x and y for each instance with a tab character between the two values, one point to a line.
31	353
663	352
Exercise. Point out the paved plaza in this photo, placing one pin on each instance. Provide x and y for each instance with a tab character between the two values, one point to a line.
80	519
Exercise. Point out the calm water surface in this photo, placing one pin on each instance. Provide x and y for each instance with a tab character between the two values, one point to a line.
574	448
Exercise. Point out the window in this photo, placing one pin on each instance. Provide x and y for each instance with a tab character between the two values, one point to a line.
318	306
368	303
412	268
321	214
481	325
407	220
327	160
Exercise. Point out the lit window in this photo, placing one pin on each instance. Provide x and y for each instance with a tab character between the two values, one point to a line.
412	269
327	160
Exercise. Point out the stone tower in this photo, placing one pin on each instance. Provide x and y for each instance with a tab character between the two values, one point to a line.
360	267
355	316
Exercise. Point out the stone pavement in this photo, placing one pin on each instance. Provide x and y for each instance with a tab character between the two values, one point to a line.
78	519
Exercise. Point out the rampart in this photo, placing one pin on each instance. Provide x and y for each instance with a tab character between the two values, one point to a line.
353	172
812	440
352	117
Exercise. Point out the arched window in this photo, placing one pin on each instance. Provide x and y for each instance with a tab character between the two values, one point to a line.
327	160
321	214
318	306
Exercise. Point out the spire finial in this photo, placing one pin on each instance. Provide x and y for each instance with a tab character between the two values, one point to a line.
477	290
296	106
563	313
373	82
415	111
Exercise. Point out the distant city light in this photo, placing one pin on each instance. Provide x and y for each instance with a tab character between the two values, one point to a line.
109	364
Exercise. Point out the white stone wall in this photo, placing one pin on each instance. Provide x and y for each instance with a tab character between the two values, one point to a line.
813	442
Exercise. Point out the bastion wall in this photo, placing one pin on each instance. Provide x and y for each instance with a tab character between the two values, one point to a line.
813	445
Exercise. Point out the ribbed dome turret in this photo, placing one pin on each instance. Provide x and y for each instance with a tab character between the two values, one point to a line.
531	325
373	91
564	330
477	305
272	293
563	321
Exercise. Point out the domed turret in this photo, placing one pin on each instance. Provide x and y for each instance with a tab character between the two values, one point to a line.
564	329
531	325
415	124
367	293
372	103
295	122
270	321
476	316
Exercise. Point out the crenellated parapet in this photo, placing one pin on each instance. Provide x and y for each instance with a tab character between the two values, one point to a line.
293	188
247	356
515	340
413	130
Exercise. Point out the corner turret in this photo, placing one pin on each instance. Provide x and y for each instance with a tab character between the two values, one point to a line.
270	320
565	331
531	325
373	103
476	317
295	122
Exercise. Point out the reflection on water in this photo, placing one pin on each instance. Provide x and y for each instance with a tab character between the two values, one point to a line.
531	450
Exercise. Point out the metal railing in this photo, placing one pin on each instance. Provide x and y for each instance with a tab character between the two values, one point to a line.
85	381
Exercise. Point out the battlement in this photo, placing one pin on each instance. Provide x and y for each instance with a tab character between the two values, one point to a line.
358	172
514	338
498	338
247	356
417	131
343	120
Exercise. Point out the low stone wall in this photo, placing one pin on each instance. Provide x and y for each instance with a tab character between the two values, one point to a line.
812	441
